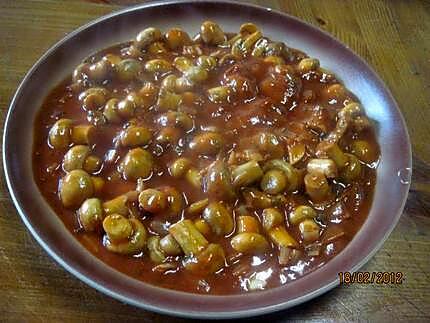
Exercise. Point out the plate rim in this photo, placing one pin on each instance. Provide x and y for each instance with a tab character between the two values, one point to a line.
185	313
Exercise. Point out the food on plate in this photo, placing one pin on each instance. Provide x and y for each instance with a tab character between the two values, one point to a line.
220	163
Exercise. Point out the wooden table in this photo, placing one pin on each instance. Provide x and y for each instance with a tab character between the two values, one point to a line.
393	36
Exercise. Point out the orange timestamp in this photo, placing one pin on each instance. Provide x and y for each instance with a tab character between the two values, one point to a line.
375	277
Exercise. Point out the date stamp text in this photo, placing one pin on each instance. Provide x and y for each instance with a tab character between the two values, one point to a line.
374	277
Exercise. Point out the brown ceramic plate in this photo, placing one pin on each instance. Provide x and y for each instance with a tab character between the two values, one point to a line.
392	176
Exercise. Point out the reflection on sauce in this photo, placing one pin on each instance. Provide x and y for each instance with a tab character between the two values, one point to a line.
289	105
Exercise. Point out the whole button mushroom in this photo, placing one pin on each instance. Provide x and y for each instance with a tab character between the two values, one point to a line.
128	69
152	200
75	157
207	143
75	188
250	243
219	218
124	236
274	181
136	164
176	37
60	133
212	33
91	214
146	37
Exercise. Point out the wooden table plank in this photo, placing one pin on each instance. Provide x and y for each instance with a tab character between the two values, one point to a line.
393	36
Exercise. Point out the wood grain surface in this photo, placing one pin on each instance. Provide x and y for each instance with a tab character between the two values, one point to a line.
393	36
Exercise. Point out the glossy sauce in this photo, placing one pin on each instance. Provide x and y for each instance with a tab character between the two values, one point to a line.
239	121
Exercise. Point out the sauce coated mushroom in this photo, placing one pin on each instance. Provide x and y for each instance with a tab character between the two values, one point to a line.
217	163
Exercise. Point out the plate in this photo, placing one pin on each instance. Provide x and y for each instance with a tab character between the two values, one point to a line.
393	174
